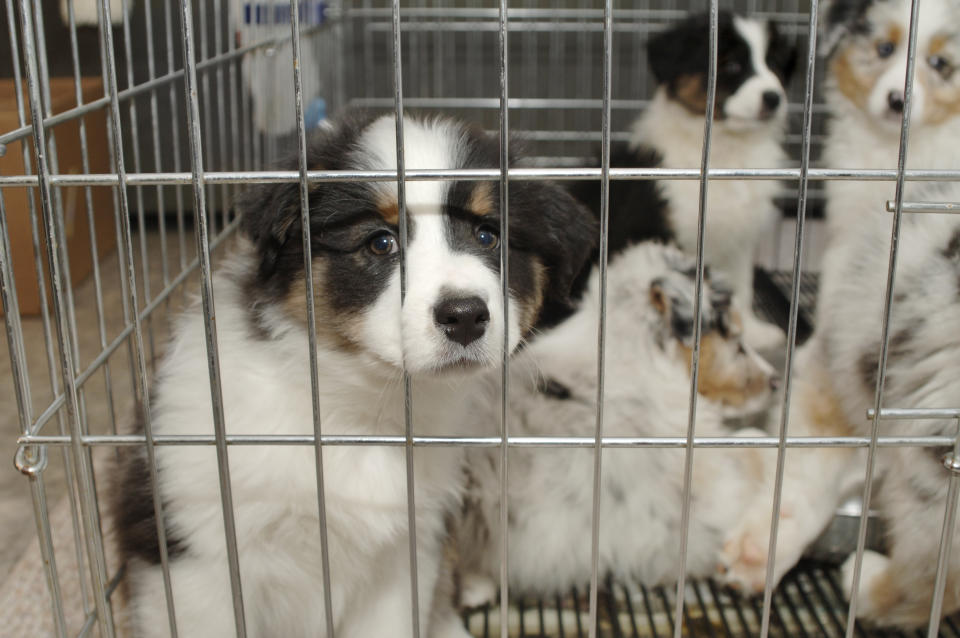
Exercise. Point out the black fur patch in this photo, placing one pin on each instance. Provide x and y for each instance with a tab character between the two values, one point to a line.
683	52
638	211
134	516
548	227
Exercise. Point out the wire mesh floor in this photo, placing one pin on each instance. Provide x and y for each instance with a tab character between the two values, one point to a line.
808	603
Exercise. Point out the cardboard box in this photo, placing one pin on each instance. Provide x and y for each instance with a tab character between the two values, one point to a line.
75	220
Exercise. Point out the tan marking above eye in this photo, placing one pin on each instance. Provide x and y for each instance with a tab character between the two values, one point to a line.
849	78
690	91
481	201
894	33
389	209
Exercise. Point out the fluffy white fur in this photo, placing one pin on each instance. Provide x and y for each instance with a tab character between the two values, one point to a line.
838	368
646	394
739	212
266	390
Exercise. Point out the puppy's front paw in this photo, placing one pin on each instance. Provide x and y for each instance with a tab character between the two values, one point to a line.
762	335
743	561
874	569
476	590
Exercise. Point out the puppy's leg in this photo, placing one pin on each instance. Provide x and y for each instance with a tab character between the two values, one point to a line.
814	483
202	600
892	593
383	606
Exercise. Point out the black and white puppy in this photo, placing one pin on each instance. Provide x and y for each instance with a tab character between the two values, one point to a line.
754	65
448	326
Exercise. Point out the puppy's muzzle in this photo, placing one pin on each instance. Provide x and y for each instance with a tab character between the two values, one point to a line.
462	319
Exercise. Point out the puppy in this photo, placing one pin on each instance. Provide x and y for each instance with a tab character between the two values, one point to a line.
865	44
553	393
447	328
754	65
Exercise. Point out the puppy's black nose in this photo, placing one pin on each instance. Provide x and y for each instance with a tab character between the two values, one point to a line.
895	100
771	100
462	319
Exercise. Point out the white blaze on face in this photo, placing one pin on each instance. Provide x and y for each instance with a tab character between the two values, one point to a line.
434	271
747	102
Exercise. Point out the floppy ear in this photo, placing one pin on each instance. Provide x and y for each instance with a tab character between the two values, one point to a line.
270	218
563	234
781	55
681	49
840	18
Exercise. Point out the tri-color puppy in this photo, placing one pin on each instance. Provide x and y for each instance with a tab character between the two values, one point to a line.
865	45
447	328
754	65
650	323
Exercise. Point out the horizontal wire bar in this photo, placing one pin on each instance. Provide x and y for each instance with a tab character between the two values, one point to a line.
102	102
533	27
104	354
524	103
891	414
925	207
482	174
494	441
620	15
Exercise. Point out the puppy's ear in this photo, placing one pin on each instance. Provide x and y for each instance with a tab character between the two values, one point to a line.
658	297
270	218
840	18
666	52
781	55
563	234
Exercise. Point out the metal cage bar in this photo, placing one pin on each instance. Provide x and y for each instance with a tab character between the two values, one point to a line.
887	310
697	314
210	328
792	322
424	30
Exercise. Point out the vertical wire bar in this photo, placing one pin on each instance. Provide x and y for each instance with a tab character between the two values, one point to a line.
91	220
129	272
45	312
505	292
236	153
53	163
175	136
55	248
155	119
34	456
209	317
207	109
98	294
311	313
697	313
946	537
141	215
407	399
887	311
794	309
602	325
221	111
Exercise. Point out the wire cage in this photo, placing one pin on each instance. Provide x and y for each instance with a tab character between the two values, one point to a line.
133	125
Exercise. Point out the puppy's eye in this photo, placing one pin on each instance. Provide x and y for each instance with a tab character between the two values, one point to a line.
487	237
383	244
731	67
940	64
885	49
